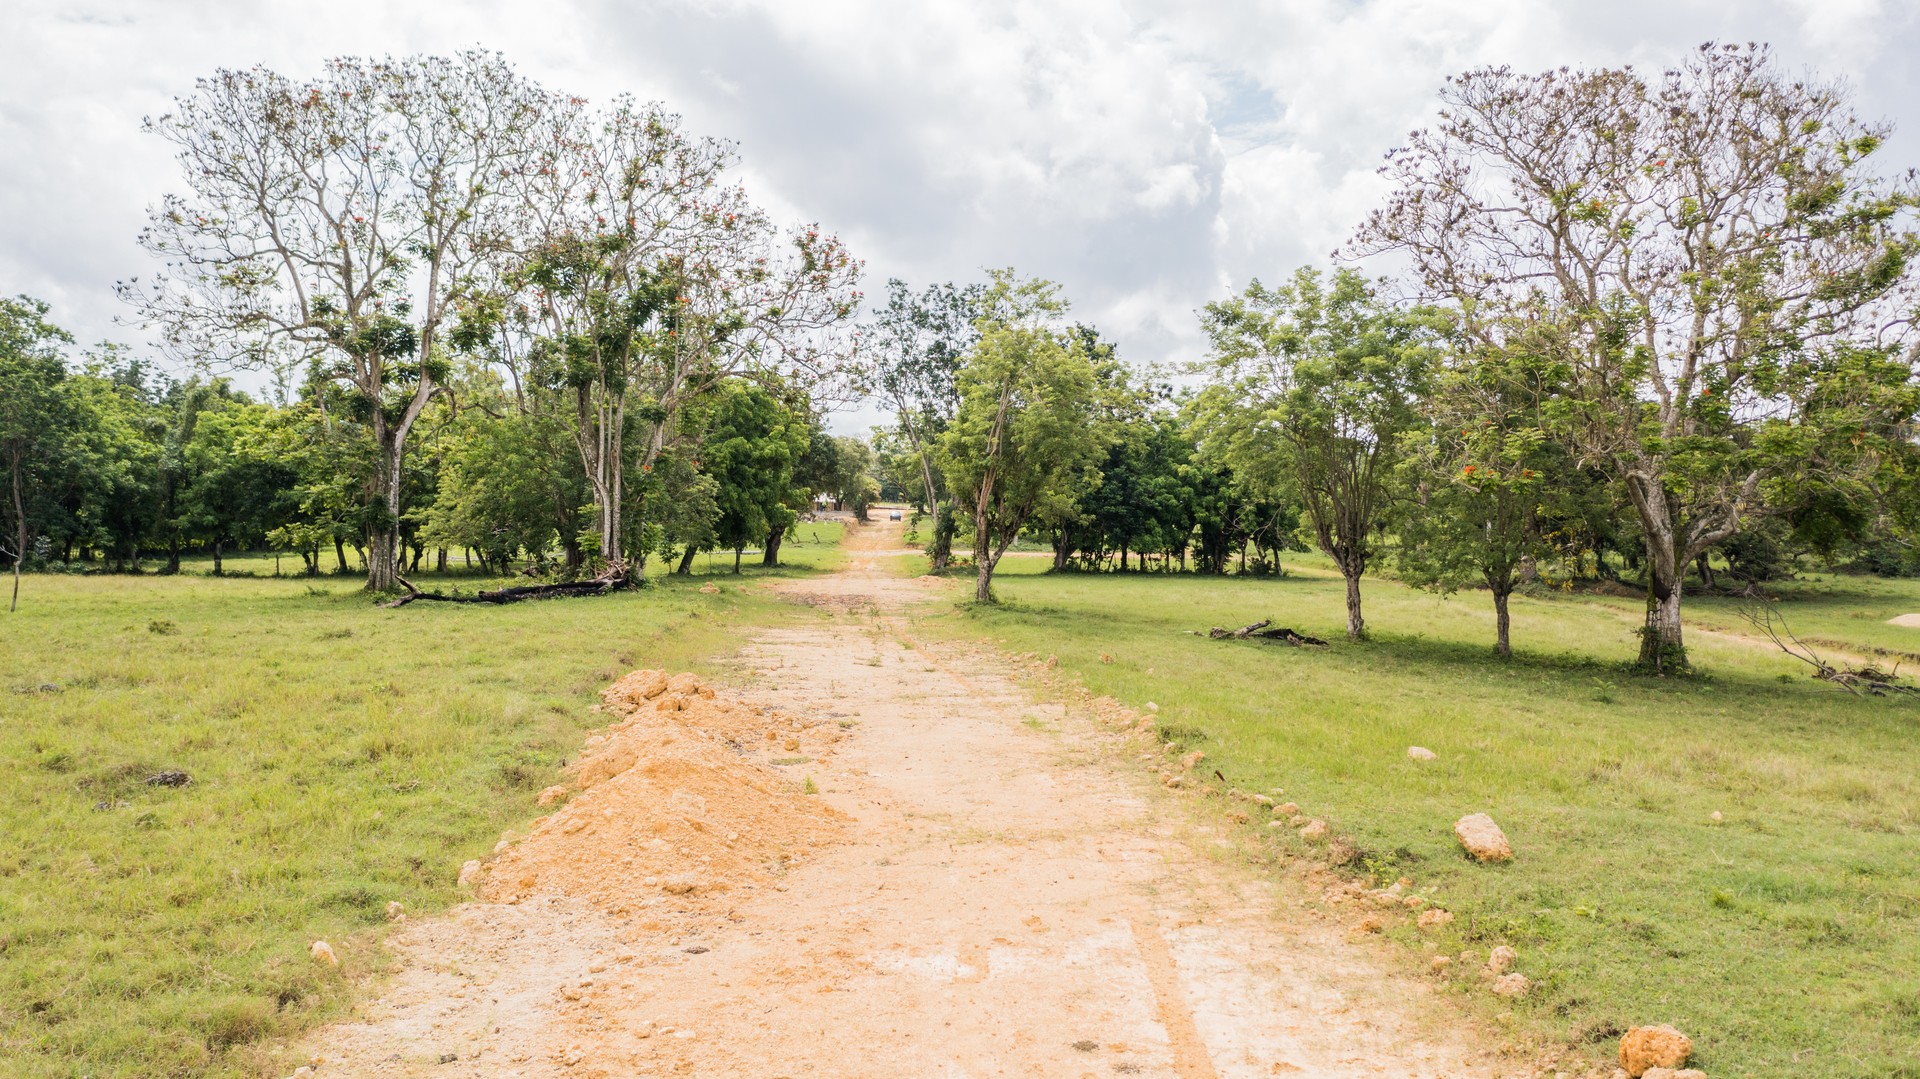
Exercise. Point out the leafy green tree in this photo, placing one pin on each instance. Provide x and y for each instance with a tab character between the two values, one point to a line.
853	478
34	414
1312	388
751	445
1023	441
1479	473
239	490
919	342
1693	243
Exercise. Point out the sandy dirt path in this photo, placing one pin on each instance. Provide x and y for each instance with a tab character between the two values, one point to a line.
1008	900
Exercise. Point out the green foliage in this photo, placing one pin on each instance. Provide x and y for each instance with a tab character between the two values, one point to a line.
1312	387
1023	443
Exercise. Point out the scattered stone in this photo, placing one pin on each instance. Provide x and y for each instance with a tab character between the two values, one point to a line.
469	872
1086	1045
1260	799
1152	707
1482	838
395	911
1187	762
1653	1047
1286	809
1500	961
448	1058
1314	831
1106	657
1716	817
551	795
1439	964
1434	919
322	953
695	949
1413	902
1422	753
1238	817
1173	781
302	1072
1276	824
1372	923
1511	985
709	590
169	778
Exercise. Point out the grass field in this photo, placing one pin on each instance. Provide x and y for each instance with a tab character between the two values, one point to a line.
1785	939
341	756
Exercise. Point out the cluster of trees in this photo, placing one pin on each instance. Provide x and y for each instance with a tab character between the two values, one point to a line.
614	347
1640	323
109	463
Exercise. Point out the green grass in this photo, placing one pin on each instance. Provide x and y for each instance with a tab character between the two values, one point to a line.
341	756
1784	939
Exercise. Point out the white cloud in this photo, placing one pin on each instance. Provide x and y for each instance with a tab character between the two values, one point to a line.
1148	156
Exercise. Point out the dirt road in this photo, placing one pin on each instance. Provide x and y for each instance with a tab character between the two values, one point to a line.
1007	899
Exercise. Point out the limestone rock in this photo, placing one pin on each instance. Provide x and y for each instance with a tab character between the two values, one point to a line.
1421	753
469	872
1286	809
1660	1046
1439	964
1482	838
322	953
1314	831
1501	961
1434	919
1511	985
551	795
396	912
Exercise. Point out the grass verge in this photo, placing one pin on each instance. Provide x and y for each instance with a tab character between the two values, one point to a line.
1784	938
340	757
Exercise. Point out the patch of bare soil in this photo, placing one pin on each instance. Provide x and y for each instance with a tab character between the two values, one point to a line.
978	889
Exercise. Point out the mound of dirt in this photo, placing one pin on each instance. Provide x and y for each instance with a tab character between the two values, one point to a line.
1909	620
672	802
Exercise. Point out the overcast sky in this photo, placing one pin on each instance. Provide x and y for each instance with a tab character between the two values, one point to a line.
1149	156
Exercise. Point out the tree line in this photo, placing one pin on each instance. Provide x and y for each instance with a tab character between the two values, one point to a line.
1628	325
1636	323
112	464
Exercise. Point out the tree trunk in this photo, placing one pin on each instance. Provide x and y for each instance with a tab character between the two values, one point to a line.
1356	625
440	560
1502	644
685	569
216	556
1662	648
736	558
983	581
772	555
19	529
340	554
1705	565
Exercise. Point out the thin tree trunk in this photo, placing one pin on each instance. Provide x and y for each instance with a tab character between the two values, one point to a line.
1356	625
685	569
772	555
216	556
19	529
340	554
736	558
1502	644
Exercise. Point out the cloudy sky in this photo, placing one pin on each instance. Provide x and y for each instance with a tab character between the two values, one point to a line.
1149	156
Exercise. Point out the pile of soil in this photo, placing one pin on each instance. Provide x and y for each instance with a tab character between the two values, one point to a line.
673	800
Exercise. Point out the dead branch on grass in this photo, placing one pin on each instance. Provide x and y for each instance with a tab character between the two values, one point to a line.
1764	616
1264	630
614	578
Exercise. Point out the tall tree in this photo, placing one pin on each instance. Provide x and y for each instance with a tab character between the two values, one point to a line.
917	347
33	413
1696	240
1023	440
336	221
1312	388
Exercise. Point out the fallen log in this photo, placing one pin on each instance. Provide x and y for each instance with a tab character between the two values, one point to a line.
1265	630
614	578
